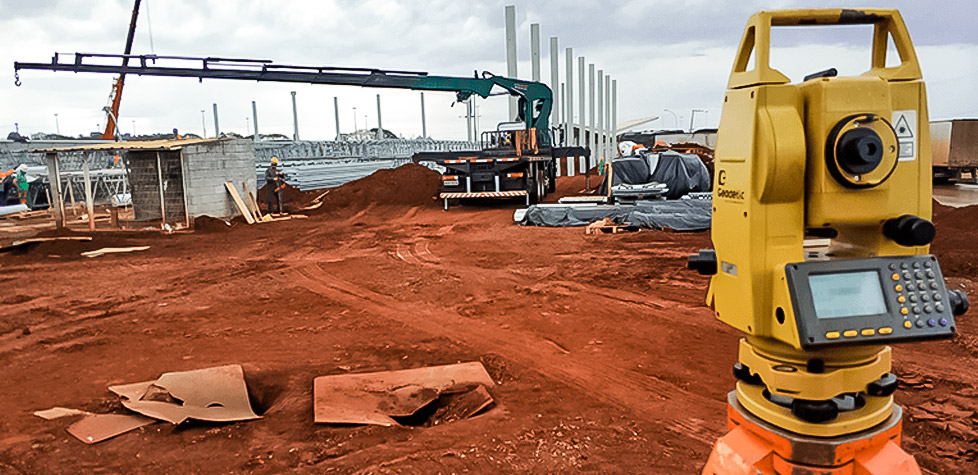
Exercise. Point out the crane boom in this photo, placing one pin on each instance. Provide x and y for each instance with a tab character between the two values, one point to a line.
115	97
536	99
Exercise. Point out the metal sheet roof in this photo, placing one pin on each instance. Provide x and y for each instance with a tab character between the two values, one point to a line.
164	144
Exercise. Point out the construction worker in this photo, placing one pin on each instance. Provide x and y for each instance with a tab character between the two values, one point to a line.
274	184
20	181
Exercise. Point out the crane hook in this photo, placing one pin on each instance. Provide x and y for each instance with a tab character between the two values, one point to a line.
16	79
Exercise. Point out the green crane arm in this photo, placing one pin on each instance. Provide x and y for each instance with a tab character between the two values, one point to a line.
535	99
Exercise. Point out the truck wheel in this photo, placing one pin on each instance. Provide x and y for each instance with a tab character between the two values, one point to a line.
541	185
532	185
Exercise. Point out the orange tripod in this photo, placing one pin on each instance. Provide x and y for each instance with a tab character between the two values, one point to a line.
755	447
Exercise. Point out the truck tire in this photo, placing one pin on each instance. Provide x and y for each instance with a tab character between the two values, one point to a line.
541	185
551	178
532	184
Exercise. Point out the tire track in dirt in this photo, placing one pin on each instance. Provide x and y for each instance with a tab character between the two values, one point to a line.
49	331
647	397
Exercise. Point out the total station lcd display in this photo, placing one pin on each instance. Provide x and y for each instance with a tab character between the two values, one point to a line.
849	294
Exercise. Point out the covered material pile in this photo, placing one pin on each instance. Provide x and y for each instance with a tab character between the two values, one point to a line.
677	215
679	173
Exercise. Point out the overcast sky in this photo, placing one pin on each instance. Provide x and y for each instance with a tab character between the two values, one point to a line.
665	54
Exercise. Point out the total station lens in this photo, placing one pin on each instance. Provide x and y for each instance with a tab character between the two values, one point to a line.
859	151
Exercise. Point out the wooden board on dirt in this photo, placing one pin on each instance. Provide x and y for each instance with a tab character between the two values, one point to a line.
239	203
251	202
113	250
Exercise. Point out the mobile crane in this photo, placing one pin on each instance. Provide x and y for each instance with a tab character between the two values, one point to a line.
115	97
519	159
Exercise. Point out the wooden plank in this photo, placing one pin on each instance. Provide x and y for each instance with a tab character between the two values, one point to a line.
239	203
251	202
183	179
254	202
159	175
54	177
89	202
113	250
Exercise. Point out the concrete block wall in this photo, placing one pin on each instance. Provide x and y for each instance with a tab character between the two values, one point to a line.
208	165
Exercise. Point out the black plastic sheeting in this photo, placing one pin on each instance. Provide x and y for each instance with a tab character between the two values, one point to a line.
631	171
677	215
681	173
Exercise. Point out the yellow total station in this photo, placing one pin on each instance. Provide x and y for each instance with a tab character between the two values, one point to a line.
843	159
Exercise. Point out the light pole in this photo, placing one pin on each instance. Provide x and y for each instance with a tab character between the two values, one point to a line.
674	116
355	125
692	115
203	123
134	128
57	127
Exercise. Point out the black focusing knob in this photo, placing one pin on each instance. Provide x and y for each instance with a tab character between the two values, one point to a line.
859	151
909	230
959	302
705	262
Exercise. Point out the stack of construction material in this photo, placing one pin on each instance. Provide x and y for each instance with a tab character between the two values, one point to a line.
326	173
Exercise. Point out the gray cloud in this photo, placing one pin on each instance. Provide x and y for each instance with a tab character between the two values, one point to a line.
665	54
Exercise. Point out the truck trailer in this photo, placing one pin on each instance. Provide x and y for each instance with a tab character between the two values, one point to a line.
954	146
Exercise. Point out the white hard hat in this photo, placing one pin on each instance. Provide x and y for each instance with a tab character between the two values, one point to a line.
22	168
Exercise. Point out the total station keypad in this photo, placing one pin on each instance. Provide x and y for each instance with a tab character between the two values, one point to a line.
919	296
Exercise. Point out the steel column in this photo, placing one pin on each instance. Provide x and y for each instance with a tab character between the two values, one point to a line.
569	103
511	54
591	141
607	117
614	113
336	118
424	125
295	119
580	94
380	125
555	82
217	125
254	114
535	52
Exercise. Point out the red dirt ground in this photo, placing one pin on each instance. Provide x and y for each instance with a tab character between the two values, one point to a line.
606	358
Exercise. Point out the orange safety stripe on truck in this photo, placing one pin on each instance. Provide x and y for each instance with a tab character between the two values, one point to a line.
484	194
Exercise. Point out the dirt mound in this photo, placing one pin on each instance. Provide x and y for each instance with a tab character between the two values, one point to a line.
574	186
208	224
404	186
295	199
955	240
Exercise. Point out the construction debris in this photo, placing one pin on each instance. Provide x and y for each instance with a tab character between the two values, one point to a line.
13	209
250	218
113	250
607	226
95	428
216	394
56	412
389	398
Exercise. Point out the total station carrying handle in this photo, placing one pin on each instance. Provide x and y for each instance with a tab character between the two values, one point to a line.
757	40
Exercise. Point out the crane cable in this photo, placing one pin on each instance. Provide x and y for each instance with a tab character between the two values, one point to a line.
149	24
